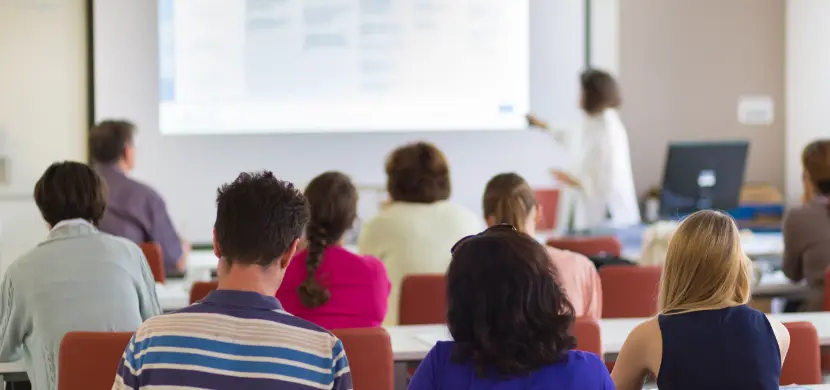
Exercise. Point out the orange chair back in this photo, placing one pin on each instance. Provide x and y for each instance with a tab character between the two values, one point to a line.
200	290
423	300
371	362
588	246
89	360
803	362
825	357
155	258
629	291
549	200
587	333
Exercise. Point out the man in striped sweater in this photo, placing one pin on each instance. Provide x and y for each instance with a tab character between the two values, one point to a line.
239	337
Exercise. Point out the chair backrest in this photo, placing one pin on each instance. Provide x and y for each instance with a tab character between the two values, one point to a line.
629	291
549	200
803	362
200	290
423	300
89	360
588	336
588	246
152	251
369	351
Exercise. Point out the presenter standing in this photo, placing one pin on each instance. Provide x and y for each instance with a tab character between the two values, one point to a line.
603	178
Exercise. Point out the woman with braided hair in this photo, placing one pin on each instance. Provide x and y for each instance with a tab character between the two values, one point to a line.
325	283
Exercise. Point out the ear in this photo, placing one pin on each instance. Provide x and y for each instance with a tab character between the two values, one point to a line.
537	216
490	220
289	254
216	250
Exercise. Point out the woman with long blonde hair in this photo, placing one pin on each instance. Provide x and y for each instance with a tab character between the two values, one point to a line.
705	337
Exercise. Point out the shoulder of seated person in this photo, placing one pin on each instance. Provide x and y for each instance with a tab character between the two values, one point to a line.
646	330
807	210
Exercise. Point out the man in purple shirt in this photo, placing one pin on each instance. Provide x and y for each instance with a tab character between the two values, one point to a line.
134	210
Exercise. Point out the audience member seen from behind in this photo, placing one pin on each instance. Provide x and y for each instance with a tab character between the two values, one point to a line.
413	233
705	337
325	283
135	210
508	199
239	337
78	279
509	320
807	227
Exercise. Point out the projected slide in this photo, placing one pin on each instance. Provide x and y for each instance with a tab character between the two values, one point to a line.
264	66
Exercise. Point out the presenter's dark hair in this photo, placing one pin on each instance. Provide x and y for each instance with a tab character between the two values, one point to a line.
108	139
333	201
70	190
508	199
418	173
599	91
258	217
505	311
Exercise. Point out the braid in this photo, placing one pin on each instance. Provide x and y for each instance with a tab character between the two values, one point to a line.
311	293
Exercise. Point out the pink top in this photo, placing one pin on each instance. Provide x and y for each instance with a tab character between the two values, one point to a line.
358	284
579	278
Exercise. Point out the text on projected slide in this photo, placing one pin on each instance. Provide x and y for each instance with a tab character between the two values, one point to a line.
256	66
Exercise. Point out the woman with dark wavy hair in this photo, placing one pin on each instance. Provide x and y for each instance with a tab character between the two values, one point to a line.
509	320
325	283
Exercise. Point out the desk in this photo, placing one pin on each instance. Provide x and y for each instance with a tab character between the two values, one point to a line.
755	244
411	343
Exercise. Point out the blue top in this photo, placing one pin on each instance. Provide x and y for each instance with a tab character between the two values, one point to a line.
233	340
580	371
731	348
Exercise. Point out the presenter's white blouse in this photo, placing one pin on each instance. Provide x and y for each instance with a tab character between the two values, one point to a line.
607	197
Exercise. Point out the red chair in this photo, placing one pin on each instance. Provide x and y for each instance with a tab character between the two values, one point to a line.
825	358
89	360
803	362
549	200
371	362
629	291
423	300
588	336
155	258
200	290
588	246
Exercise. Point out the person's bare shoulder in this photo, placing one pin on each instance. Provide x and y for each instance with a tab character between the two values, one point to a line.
782	335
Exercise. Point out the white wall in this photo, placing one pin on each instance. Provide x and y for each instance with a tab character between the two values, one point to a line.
43	107
187	169
808	84
605	35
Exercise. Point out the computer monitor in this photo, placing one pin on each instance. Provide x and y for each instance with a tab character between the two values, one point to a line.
702	175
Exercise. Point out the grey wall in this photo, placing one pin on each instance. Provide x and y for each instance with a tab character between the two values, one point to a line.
683	65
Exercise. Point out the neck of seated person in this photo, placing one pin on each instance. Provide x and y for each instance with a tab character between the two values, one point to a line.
252	278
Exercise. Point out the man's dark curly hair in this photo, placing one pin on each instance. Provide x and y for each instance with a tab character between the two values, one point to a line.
258	217
505	310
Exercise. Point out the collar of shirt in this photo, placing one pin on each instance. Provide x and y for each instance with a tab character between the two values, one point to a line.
109	169
72	222
243	299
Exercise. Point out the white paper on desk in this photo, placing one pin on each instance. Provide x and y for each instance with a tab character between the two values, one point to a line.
433	338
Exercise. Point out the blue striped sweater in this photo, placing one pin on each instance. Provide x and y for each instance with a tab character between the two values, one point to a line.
233	340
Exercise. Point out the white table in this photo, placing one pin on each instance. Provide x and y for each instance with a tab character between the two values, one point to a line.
754	244
411	343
